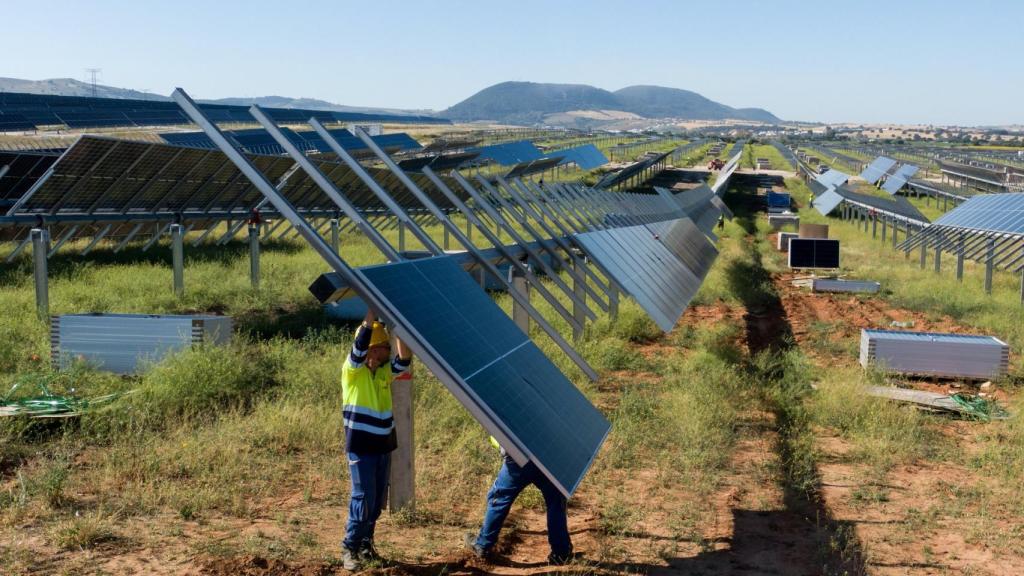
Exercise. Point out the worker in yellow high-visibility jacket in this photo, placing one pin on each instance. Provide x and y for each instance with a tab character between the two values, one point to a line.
369	432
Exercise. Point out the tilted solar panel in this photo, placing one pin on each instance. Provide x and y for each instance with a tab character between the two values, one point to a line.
688	243
894	183
827	202
878	167
988	213
833	178
587	157
499	368
510	153
646	268
907	171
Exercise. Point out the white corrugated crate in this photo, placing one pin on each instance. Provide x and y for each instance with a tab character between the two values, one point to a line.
120	342
932	354
838	285
777	221
782	242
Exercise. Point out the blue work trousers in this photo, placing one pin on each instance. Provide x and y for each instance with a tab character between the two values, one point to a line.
511	480
369	479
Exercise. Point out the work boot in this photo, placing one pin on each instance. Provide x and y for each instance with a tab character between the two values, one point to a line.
477	550
351	560
368	553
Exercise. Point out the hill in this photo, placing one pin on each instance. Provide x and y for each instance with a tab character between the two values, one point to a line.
530	102
72	87
661	102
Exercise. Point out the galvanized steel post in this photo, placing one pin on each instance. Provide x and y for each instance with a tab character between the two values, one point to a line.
335	235
519	313
990	265
40	253
578	303
960	259
178	258
254	255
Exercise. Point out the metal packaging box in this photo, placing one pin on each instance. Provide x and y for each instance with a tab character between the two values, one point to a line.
932	354
782	242
121	342
837	285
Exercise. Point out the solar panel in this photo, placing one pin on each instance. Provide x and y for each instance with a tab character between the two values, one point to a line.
827	202
688	243
87	112
106	176
832	178
22	170
587	157
510	153
15	123
436	162
988	213
813	253
498	366
646	268
897	206
894	183
258	141
878	168
533	167
907	171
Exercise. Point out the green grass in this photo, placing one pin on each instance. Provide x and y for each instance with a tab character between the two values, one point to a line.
754	151
214	434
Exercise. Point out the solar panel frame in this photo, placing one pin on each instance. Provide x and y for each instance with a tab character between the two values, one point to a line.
877	169
557	427
813	253
827	202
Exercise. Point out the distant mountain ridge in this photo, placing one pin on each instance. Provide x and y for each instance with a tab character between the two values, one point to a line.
507	102
530	102
72	87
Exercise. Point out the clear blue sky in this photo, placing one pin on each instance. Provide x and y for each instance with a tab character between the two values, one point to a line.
940	62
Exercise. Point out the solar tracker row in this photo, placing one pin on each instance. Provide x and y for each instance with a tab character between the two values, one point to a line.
258	141
104	177
587	157
86	112
509	153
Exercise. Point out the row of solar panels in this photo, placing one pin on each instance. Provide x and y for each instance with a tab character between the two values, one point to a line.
522	152
986	227
19	111
895	177
108	178
258	141
658	256
828	199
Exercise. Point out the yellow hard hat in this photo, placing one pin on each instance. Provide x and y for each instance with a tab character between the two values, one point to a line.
379	336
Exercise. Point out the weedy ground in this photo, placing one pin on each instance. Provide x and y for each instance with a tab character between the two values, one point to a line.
741	441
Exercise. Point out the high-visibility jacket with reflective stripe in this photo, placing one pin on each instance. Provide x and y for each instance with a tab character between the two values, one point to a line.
369	424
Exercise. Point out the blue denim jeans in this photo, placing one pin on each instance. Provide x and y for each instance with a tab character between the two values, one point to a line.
511	480
369	475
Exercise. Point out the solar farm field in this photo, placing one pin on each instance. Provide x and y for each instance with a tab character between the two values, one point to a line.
746	431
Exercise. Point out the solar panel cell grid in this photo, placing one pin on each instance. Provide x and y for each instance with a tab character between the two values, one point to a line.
498	364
